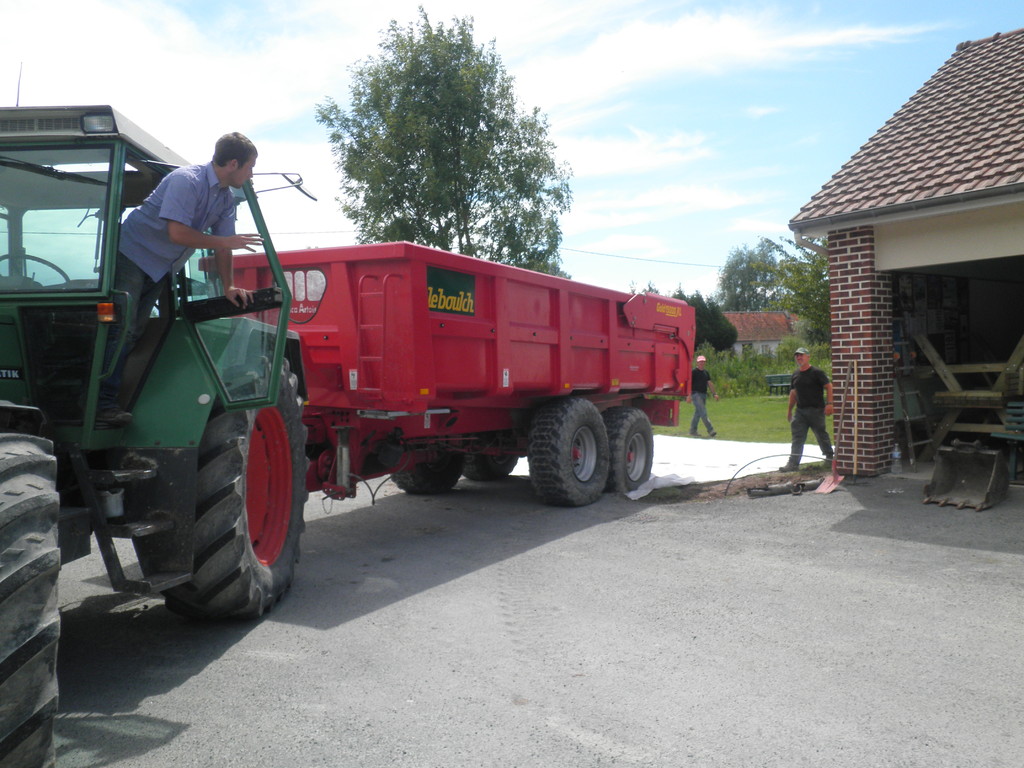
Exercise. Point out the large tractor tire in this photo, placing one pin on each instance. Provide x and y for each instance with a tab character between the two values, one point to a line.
252	490
568	452
428	478
630	448
484	468
29	620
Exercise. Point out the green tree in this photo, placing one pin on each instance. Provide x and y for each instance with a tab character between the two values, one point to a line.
748	282
803	275
712	326
435	150
651	288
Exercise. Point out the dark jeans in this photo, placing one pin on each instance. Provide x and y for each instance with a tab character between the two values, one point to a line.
144	292
804	419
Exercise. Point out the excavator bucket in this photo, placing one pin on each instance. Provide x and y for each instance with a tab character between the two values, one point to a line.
968	475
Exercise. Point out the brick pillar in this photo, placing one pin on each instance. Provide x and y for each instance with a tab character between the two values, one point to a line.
861	303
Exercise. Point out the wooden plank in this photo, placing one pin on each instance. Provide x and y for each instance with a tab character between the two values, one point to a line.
941	369
986	429
941	430
1012	365
971	398
971	368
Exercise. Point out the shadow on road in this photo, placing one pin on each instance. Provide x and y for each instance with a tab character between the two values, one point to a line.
115	651
893	509
364	558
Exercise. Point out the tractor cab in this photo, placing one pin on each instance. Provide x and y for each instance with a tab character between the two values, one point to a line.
68	178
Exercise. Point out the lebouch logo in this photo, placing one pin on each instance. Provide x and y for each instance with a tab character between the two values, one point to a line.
452	292
307	288
669	309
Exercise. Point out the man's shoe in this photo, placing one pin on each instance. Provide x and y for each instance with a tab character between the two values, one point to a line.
113	417
789	468
712	433
694	434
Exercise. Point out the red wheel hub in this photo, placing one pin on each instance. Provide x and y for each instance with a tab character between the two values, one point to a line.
268	485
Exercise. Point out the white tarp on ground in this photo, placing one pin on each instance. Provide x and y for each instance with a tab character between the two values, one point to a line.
683	460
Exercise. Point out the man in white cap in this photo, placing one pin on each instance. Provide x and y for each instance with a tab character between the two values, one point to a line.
700	383
810	401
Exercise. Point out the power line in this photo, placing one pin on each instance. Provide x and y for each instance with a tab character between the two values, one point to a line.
641	258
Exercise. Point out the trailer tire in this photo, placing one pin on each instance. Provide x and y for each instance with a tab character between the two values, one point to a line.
427	478
252	490
484	468
630	448
568	452
29	564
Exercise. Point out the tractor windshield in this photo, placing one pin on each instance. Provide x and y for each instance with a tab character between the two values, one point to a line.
53	206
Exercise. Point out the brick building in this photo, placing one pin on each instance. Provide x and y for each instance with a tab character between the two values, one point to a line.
925	229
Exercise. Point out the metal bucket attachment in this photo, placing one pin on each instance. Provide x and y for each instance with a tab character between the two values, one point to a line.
967	475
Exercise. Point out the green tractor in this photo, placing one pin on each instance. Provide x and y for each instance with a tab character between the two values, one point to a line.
208	480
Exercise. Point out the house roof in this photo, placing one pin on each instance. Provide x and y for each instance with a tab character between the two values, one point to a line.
957	139
761	326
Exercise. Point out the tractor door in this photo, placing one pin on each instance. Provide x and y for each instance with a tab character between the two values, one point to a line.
242	347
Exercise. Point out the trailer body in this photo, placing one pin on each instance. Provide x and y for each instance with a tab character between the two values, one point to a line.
413	356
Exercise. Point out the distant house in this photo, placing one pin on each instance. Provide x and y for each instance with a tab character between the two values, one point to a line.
925	232
760	332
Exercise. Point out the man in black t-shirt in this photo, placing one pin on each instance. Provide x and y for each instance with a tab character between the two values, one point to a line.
700	383
810	401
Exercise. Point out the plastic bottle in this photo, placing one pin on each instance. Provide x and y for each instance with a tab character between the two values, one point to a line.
897	461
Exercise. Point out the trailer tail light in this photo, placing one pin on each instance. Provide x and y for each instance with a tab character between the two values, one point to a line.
105	312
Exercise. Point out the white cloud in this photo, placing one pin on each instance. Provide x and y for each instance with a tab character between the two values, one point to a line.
602	211
695	43
759	227
279	59
757	112
640	152
295	221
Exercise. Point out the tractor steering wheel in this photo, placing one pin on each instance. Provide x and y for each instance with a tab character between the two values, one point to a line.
42	261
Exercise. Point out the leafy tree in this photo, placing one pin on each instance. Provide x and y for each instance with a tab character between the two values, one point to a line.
435	150
651	288
747	282
712	326
803	275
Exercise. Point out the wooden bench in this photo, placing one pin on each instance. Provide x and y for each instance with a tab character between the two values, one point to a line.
1014	432
778	383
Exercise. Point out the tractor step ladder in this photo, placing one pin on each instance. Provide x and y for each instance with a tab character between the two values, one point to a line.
134	582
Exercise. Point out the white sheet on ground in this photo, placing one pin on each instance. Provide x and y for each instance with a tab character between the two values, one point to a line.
684	460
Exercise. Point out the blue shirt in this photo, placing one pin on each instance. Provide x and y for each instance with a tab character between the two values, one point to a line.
191	196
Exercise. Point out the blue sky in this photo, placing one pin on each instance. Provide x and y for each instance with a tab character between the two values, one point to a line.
692	128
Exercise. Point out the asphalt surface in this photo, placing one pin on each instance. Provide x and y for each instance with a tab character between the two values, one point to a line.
480	628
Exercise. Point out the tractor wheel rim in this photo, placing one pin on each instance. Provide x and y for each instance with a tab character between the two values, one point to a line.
268	485
583	454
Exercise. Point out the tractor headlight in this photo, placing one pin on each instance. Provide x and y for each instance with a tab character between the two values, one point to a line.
98	123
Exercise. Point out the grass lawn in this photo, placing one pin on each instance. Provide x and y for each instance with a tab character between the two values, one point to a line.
754	419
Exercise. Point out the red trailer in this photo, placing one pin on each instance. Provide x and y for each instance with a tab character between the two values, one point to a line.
428	365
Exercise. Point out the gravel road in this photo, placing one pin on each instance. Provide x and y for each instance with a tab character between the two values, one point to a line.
480	628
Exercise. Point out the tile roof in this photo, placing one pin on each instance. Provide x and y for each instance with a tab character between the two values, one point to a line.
761	326
960	136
